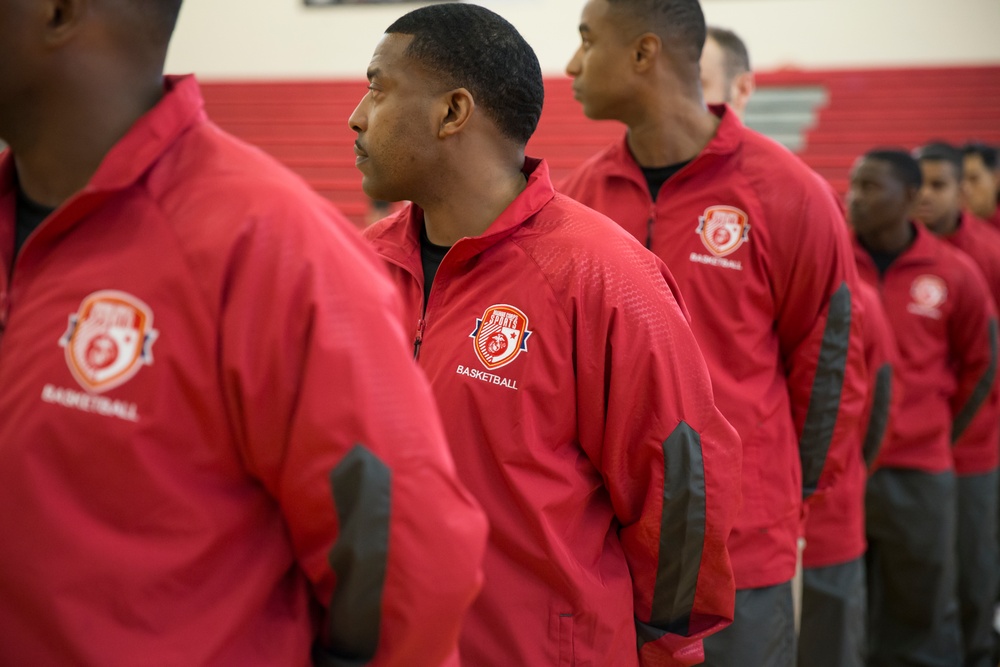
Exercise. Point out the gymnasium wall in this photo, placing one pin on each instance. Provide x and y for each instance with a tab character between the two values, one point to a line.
282	39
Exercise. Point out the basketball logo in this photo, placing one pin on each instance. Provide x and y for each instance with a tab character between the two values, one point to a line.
108	340
928	291
723	229
500	335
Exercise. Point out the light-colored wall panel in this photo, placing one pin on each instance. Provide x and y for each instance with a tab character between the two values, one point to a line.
276	39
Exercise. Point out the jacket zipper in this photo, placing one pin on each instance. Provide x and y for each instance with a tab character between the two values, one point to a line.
419	338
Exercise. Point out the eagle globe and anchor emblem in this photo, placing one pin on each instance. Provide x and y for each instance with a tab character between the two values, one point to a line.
108	340
723	229
500	335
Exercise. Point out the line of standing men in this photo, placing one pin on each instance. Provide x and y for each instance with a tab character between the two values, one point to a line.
273	487
907	554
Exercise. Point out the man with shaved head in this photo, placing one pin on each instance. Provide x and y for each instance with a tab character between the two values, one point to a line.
214	447
574	395
759	248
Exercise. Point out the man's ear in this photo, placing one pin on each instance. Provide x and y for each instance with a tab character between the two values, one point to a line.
460	106
63	19
645	51
743	86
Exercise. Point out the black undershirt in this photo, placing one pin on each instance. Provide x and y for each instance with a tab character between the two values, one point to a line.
657	176
30	215
430	256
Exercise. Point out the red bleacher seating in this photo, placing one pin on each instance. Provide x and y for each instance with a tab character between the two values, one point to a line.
304	124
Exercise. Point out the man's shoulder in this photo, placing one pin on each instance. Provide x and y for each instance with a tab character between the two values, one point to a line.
587	239
212	177
592	170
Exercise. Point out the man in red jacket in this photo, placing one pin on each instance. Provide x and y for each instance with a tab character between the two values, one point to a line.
832	628
574	395
214	448
945	325
939	207
760	251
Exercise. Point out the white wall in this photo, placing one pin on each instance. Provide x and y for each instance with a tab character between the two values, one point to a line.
269	39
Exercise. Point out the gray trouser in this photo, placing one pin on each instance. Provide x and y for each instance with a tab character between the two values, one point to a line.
912	603
762	633
834	613
978	574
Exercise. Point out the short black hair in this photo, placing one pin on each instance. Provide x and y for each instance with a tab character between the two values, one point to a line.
471	47
987	153
679	23
941	151
737	56
904	167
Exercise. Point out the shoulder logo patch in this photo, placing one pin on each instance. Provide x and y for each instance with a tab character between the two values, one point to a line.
928	293
108	340
500	335
723	229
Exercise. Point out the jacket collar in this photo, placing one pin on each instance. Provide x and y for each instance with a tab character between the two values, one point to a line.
398	237
924	249
151	135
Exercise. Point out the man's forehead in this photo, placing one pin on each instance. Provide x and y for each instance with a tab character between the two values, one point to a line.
390	54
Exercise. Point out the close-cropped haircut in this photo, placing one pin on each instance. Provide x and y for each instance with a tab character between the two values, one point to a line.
737	58
940	151
986	153
470	47
904	167
679	23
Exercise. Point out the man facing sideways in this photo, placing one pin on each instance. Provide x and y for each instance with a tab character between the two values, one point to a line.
214	449
574	395
760	252
945	324
726	77
939	207
981	182
832	628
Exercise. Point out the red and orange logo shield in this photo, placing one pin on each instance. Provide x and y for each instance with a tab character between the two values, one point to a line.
723	229
500	335
108	340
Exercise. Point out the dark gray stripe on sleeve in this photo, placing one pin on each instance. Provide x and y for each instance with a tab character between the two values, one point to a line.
879	419
824	402
361	492
682	536
979	394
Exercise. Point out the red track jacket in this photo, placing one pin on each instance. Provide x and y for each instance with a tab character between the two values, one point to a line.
946	330
760	251
982	243
835	527
580	412
202	387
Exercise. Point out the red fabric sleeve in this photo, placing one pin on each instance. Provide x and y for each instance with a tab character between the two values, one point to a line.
975	405
327	403
670	460
819	328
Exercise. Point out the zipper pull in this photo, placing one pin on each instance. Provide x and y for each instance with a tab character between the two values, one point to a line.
419	338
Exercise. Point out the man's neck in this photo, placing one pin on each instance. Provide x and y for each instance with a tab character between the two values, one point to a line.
677	131
472	204
891	241
59	149
947	226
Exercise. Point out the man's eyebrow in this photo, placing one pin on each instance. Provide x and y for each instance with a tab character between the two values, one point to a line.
373	72
584	27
